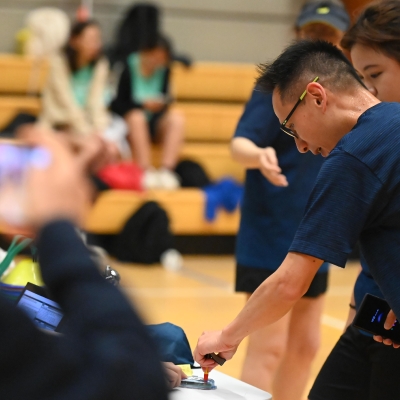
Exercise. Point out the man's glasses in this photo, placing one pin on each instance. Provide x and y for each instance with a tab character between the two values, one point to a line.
287	130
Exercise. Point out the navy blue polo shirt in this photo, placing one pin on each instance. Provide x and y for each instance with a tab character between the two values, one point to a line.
357	197
270	215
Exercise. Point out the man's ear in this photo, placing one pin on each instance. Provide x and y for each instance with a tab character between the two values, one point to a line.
317	94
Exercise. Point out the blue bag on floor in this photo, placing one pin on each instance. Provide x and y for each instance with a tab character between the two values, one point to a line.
224	194
172	343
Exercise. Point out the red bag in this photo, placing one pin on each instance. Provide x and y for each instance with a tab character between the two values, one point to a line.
125	175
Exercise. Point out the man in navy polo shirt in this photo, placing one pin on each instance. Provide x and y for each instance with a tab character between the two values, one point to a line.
323	105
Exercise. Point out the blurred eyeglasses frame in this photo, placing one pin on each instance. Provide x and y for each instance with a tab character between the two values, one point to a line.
287	130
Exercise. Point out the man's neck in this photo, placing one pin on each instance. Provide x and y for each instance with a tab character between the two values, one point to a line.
358	104
354	105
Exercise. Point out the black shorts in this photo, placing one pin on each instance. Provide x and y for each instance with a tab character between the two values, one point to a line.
248	279
153	123
358	368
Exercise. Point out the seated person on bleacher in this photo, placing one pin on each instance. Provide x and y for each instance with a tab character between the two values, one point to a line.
143	98
106	352
75	97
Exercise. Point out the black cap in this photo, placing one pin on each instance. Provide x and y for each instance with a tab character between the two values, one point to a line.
331	13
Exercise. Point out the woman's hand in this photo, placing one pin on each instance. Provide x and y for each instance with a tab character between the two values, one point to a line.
270	168
174	374
154	106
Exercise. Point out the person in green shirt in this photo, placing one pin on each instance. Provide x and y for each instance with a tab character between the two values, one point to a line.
143	100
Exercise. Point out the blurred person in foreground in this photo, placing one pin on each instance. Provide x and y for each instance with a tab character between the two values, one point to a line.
325	107
106	352
278	182
143	100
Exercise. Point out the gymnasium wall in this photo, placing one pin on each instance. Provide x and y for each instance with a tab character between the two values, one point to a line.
214	30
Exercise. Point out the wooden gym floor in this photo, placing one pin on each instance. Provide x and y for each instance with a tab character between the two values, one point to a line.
201	297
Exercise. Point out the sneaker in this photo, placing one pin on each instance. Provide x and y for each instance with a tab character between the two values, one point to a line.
151	179
168	179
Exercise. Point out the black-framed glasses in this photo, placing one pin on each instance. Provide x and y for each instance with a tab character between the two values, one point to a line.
287	130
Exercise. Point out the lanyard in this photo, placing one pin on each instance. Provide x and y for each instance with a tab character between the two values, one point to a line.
14	249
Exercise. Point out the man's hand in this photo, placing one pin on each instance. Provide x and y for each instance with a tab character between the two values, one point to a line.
174	374
269	167
390	320
213	342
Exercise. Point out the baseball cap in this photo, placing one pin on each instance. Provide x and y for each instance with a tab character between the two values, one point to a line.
326	12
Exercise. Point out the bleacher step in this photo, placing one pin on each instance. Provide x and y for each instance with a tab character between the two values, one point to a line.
185	208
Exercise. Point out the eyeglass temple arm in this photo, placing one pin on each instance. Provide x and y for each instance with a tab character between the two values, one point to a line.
298	102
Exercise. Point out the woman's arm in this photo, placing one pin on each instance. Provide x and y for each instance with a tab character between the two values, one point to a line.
245	152
58	99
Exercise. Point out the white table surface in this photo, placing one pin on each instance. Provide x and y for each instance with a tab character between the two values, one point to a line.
227	388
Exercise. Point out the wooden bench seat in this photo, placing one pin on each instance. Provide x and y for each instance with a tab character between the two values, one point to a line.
210	122
215	158
22	79
185	208
22	74
206	82
11	106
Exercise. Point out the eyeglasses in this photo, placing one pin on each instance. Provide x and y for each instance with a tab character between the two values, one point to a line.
289	131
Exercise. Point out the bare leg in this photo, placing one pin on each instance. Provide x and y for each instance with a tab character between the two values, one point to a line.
264	354
171	129
139	137
302	346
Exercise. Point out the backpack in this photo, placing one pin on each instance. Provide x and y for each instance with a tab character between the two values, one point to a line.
192	174
145	236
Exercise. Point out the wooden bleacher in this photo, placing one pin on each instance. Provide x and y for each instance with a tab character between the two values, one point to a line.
185	208
212	98
210	95
22	80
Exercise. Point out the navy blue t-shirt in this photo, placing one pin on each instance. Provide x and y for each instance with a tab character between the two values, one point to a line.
270	215
357	197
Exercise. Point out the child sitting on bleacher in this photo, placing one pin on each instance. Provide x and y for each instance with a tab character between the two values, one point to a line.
74	100
143	98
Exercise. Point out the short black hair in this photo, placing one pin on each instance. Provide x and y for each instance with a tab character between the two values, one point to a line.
300	63
162	42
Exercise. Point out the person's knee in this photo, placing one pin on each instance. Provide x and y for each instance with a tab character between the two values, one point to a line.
274	353
136	117
267	351
176	119
305	347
